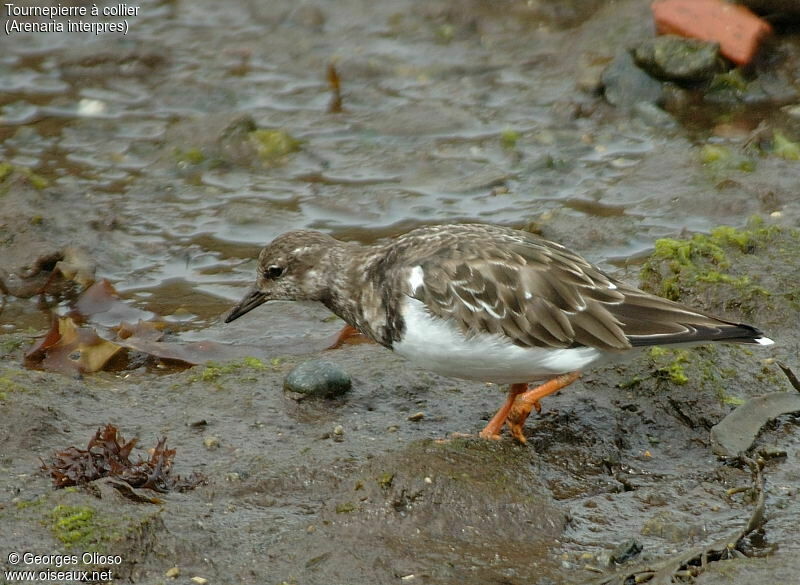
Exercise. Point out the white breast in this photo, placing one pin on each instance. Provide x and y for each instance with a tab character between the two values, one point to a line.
438	345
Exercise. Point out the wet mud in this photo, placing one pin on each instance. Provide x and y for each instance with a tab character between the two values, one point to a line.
161	161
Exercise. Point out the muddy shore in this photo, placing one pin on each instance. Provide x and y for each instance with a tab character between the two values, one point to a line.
164	159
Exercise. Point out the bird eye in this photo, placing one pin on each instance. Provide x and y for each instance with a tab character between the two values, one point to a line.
274	271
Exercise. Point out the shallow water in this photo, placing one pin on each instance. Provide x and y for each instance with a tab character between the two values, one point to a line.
470	126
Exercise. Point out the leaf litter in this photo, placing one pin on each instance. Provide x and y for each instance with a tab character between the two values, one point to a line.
103	332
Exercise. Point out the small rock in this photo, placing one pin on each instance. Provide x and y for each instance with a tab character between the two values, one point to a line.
317	378
173	572
417	416
211	442
626	85
624	552
199	580
674	58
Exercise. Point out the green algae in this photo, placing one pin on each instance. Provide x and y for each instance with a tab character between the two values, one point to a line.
25	504
274	145
678	265
8	171
78	523
669	364
346	508
243	370
732	80
509	139
721	159
74	526
445	33
385	479
9	383
783	147
699	367
190	156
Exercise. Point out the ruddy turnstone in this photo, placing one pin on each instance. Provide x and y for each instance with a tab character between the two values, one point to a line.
482	302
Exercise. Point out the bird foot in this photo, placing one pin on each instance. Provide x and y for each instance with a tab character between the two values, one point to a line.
348	335
526	401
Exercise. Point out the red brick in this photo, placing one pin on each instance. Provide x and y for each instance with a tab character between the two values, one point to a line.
737	30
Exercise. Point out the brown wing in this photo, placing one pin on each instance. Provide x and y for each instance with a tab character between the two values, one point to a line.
535	292
539	294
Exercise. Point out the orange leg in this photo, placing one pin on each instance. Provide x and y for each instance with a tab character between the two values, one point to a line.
348	334
524	402
492	430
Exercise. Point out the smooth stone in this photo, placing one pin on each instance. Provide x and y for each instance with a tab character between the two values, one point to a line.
317	378
625	84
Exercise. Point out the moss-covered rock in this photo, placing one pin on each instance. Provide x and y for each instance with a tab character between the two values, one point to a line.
743	273
674	58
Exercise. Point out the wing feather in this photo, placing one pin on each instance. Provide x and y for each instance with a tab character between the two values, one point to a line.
533	292
539	294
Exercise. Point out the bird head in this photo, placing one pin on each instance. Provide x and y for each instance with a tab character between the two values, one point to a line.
288	270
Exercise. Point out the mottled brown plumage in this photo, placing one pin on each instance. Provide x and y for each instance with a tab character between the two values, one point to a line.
486	279
479	287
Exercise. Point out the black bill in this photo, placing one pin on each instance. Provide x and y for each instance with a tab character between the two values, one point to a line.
250	301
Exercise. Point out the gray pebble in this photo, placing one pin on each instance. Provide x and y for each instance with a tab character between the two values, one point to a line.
626	85
317	378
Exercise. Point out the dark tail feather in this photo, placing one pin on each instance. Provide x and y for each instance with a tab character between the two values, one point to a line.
696	333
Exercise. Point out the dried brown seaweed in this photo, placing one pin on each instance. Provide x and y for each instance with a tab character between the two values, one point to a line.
108	455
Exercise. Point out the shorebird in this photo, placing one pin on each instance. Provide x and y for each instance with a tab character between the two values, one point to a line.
482	302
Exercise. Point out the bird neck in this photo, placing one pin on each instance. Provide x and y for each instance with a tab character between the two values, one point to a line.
344	275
